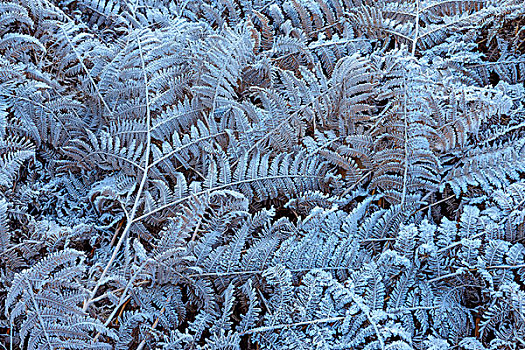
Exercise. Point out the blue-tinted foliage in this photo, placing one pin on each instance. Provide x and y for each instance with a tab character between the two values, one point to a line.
262	174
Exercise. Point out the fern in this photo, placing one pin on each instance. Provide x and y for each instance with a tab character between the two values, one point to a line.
53	318
262	174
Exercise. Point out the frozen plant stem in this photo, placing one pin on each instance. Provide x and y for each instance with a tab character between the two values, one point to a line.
416	32
405	172
130	220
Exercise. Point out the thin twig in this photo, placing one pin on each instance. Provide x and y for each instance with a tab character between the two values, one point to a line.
405	172
288	325
132	214
416	34
143	342
435	203
39	314
218	188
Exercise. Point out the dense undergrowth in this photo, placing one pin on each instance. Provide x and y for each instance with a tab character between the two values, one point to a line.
262	174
